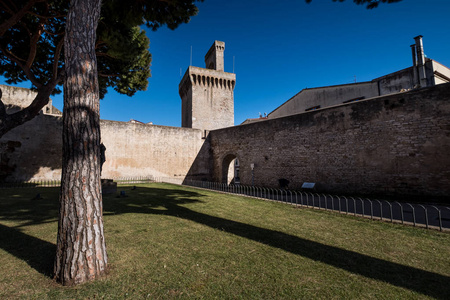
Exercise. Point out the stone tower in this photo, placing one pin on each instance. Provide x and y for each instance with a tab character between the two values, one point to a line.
207	94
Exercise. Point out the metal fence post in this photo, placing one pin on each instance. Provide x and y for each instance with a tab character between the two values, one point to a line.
439	217
413	213
362	206
401	211
318	196
346	205
390	208
426	214
381	208
354	206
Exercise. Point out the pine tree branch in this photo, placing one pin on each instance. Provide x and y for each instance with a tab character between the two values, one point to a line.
33	45
53	33
34	40
107	75
5	26
7	8
102	54
25	69
56	57
49	16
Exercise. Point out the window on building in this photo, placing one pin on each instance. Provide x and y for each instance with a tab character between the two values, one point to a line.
313	108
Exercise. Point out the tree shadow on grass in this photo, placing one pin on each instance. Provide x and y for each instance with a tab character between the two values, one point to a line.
424	282
414	279
148	200
29	206
37	253
25	208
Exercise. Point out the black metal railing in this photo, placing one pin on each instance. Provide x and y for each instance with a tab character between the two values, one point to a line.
30	184
415	214
427	215
57	183
136	180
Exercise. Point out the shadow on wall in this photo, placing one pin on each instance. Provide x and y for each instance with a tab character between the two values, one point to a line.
6	150
201	168
32	150
179	203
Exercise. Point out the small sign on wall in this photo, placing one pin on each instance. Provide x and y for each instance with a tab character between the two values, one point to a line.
308	185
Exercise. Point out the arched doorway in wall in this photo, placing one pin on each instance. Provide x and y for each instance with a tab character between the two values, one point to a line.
230	169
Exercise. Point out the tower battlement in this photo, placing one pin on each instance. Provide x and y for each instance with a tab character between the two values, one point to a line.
214	56
208	78
207	93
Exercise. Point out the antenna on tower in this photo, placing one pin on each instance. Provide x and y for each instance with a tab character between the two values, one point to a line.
233	63
190	63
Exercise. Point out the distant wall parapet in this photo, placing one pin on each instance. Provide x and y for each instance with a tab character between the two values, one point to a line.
16	98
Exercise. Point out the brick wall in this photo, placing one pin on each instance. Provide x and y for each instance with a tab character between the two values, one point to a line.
395	144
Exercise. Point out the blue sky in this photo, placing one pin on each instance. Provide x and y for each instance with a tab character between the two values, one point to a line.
281	47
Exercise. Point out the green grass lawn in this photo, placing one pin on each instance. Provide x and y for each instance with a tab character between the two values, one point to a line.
166	241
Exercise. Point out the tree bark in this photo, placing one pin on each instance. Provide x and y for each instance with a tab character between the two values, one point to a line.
81	249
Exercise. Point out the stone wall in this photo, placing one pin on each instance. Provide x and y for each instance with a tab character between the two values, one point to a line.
141	150
33	151
395	144
15	98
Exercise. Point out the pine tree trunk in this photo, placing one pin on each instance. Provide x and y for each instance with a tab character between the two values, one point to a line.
81	250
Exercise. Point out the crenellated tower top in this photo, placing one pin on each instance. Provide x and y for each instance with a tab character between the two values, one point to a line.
207	93
214	57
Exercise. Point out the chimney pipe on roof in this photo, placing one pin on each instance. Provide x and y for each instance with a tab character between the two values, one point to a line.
414	57
416	81
421	61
